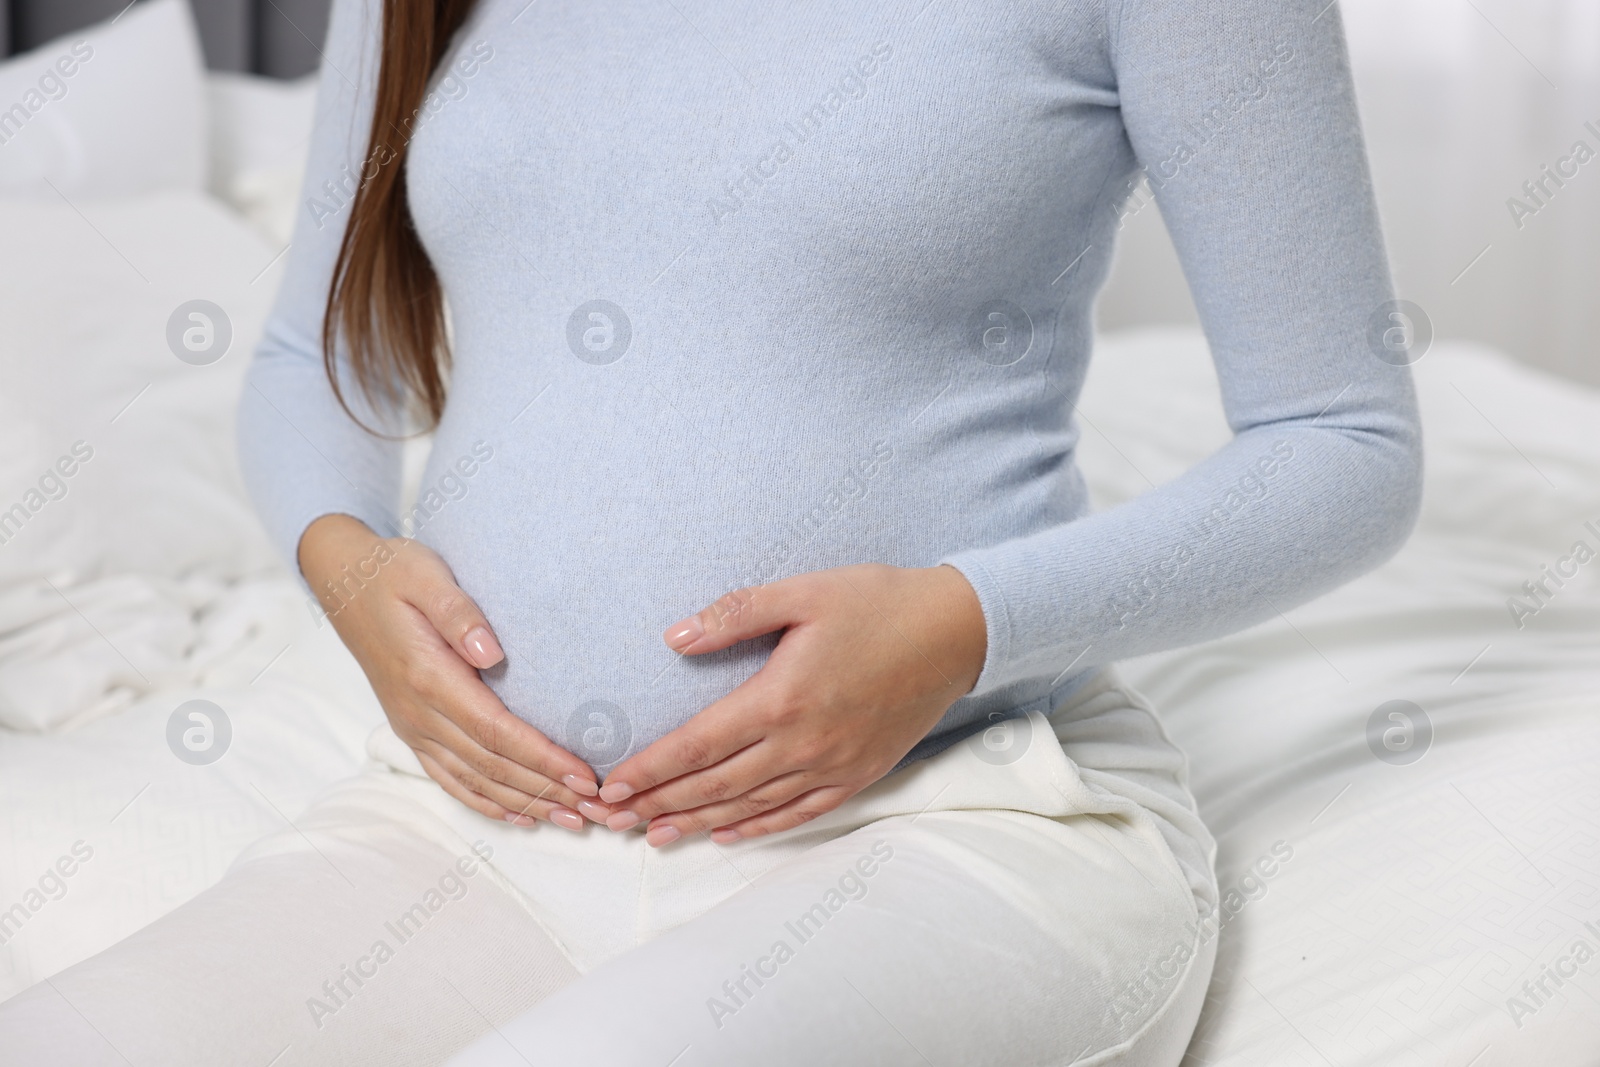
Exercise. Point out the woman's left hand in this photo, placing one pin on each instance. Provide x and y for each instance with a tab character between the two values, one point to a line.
870	658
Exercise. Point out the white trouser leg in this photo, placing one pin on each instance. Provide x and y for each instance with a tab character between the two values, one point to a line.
1028	901
977	937
1033	898
356	941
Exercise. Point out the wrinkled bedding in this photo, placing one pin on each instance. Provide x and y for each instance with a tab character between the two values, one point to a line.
1394	888
1389	910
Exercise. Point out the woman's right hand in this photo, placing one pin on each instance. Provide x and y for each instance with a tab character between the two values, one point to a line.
421	641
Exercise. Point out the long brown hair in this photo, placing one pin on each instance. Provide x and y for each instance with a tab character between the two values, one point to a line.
385	297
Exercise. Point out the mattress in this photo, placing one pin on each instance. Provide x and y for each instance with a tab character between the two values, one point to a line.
1400	774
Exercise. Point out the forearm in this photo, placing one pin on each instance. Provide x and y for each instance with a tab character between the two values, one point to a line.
1249	133
1282	514
303	458
302	454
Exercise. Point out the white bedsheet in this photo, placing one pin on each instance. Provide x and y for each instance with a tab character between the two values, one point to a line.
1417	898
161	829
146	584
1393	909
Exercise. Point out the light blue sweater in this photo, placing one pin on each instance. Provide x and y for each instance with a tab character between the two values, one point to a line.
743	290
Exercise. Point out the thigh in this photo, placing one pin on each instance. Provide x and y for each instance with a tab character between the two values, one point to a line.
950	937
352	939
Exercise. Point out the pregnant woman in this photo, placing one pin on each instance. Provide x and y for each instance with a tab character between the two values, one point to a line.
748	654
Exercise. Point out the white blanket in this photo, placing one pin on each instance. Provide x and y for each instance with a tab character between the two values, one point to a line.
1417	898
1383	911
145	584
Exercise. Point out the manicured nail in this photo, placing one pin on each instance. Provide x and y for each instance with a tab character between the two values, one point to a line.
482	647
685	633
570	820
615	792
596	812
725	836
520	820
622	820
662	835
580	785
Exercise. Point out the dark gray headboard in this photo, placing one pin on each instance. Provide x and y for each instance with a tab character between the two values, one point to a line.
276	37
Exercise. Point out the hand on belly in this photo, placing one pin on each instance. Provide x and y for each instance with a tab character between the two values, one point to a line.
871	657
421	641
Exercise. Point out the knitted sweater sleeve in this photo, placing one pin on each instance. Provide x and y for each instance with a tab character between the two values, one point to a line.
1242	115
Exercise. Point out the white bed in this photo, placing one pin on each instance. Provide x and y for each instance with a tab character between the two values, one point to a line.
1419	896
1383	910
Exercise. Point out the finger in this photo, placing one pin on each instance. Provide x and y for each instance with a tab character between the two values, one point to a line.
440	731
739	616
748	805
517	807
797	812
719	731
514	801
462	698
476	801
736	776
508	773
457	619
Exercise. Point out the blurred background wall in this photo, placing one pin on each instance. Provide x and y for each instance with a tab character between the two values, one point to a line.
282	38
1464	101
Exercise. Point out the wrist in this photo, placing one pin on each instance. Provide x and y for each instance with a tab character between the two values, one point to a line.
330	544
966	633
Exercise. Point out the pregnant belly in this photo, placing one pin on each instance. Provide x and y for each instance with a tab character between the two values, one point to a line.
592	528
579	585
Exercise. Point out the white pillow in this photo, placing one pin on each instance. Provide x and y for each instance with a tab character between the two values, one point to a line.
260	133
117	109
96	307
116	440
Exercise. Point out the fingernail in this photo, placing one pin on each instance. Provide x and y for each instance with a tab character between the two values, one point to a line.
519	820
685	633
570	820
482	646
615	792
622	820
596	812
662	835
580	785
725	837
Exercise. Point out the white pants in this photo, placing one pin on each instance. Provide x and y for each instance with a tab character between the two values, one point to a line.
1032	896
